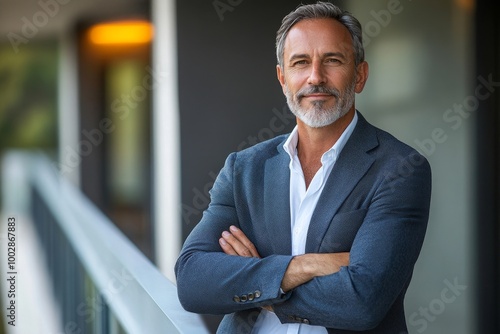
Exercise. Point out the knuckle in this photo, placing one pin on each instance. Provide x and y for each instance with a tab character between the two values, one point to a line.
246	252
249	245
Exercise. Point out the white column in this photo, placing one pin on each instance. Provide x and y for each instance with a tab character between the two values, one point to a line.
166	142
68	110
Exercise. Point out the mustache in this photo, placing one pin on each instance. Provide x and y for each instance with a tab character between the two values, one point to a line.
317	89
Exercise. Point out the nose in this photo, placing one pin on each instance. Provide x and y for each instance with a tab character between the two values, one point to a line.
317	76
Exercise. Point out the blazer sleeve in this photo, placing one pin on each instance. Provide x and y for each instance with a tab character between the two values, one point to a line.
382	258
208	280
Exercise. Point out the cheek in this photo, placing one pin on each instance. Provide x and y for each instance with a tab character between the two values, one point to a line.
288	84
339	74
342	79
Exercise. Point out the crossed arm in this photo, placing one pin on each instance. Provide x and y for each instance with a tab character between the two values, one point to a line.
367	281
301	269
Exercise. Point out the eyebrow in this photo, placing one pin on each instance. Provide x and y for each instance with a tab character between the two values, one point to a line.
325	55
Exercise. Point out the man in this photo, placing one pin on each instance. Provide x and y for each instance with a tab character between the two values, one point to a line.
317	231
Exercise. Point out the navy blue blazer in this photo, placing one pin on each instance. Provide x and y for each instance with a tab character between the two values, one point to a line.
375	205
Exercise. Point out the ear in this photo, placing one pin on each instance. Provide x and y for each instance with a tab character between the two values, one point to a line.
361	77
281	77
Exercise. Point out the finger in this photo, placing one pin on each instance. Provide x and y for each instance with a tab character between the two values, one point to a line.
226	248
238	234
237	245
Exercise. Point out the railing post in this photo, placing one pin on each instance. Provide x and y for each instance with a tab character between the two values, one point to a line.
88	256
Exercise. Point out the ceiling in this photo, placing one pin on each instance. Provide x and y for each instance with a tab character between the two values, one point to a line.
50	18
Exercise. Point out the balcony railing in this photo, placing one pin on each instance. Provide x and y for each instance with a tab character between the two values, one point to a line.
102	282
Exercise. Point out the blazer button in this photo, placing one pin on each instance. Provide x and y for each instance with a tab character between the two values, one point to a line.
251	296
236	299
305	321
257	294
243	298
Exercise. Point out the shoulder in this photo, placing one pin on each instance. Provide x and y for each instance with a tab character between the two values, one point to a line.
263	150
399	163
391	156
252	160
387	145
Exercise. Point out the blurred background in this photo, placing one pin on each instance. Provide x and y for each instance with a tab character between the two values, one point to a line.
137	103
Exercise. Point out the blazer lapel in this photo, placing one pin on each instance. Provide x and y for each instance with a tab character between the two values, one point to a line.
277	201
349	168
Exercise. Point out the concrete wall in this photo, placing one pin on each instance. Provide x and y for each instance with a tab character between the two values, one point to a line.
421	89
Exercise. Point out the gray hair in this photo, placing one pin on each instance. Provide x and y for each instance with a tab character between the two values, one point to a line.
321	10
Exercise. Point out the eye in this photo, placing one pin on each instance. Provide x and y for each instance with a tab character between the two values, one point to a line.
299	62
333	61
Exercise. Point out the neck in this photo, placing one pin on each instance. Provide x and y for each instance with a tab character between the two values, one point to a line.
313	142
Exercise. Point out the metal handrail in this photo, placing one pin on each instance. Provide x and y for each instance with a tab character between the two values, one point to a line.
136	294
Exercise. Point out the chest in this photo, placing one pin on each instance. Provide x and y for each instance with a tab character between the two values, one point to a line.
309	169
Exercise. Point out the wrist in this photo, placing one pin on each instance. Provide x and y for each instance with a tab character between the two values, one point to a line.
297	273
306	266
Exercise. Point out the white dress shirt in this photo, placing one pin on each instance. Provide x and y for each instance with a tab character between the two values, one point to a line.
302	204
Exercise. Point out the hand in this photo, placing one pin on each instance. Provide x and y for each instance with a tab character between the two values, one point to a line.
304	268
235	242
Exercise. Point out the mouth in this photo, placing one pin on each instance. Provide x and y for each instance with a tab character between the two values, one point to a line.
318	93
318	96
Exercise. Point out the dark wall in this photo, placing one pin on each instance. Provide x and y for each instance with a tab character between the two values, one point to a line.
487	171
229	95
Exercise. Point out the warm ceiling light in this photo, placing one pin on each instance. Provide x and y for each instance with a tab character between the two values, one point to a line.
123	32
466	4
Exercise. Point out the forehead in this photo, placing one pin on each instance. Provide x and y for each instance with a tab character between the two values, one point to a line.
318	35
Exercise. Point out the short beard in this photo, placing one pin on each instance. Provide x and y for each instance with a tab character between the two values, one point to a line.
317	116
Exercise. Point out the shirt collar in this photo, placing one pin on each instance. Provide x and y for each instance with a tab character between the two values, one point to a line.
290	145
